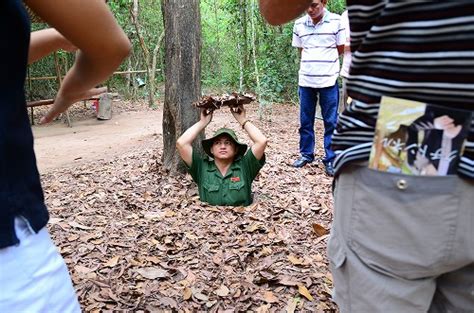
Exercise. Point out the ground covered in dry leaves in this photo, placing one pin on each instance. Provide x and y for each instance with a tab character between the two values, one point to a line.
137	239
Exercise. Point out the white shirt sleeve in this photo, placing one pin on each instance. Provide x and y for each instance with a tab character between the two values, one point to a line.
296	42
345	24
341	34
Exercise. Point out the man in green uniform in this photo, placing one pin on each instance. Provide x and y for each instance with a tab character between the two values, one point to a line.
225	175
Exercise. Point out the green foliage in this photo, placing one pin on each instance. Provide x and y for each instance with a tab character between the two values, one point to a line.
227	56
227	48
336	6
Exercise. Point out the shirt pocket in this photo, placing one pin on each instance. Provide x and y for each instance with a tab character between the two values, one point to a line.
237	186
238	194
210	187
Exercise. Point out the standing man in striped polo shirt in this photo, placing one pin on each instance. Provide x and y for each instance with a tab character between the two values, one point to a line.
319	37
402	243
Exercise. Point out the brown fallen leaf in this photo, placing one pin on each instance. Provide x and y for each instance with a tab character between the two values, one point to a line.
223	291
80	226
153	259
152	272
73	237
187	293
266	251
318	257
112	262
82	269
291	305
319	230
54	220
305	292
263	308
217	258
201	296
255	226
287	281
269	297
294	260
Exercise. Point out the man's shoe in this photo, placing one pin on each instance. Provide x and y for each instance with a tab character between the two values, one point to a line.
329	169
301	162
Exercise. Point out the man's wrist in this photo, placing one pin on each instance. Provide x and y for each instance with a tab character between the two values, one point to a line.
244	123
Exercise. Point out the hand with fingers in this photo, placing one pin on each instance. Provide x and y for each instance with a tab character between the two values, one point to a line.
64	101
206	116
239	114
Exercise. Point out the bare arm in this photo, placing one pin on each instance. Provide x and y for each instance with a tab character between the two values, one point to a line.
277	12
259	139
185	141
102	44
340	49
43	42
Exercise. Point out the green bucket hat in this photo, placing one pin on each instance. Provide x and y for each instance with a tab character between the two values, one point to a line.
207	143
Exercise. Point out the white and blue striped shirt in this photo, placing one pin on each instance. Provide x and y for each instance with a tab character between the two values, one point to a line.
319	67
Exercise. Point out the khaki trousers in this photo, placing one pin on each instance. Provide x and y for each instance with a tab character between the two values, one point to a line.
402	243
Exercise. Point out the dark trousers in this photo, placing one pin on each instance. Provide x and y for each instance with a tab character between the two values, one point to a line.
329	102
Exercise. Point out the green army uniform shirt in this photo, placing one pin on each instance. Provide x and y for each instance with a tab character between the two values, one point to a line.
232	189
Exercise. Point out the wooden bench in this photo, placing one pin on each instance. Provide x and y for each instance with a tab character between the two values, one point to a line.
38	103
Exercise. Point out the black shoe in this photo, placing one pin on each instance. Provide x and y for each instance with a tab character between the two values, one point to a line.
301	162
329	169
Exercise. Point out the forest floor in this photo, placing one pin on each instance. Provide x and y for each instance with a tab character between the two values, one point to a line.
138	239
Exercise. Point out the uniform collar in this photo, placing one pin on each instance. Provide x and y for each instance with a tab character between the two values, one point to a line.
213	168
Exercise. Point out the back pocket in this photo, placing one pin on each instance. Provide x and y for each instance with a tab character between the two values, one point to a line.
402	224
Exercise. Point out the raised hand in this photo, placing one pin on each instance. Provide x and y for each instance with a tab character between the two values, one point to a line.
239	113
206	116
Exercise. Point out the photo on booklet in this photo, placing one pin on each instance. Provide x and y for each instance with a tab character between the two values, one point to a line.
417	138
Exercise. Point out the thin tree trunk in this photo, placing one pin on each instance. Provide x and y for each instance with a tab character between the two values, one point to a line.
243	22
182	22
217	47
128	77
241	66
151	78
254	48
146	53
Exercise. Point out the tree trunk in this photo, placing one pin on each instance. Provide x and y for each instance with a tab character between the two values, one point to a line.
243	22
151	78
182	23
146	53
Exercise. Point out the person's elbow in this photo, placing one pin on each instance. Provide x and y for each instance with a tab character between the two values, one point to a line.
123	47
181	144
263	142
114	53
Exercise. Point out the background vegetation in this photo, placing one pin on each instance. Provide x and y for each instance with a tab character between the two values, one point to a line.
240	52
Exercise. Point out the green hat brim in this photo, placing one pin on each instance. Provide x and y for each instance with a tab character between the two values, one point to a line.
207	143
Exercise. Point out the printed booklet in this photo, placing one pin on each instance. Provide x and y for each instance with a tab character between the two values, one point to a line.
417	138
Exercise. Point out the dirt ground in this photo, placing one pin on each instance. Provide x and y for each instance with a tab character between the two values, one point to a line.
136	238
93	140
